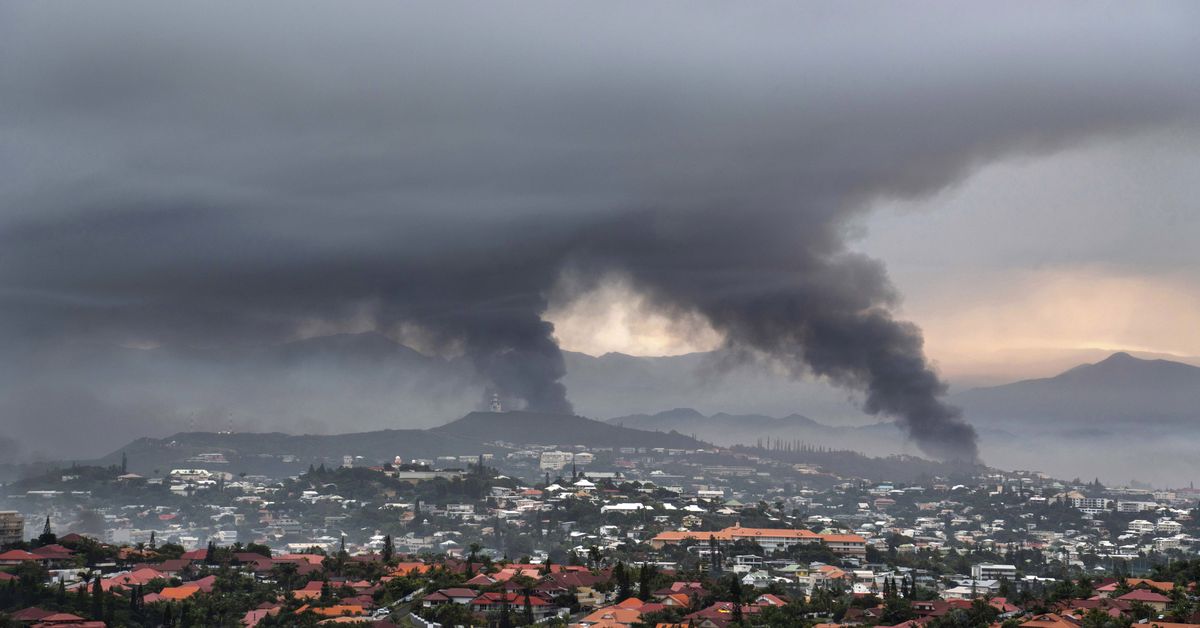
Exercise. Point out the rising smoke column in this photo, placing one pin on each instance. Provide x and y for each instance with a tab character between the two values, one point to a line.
484	300
515	352
780	285
861	349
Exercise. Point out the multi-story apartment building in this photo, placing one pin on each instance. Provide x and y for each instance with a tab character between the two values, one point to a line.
555	460
12	527
1093	505
991	571
1135	506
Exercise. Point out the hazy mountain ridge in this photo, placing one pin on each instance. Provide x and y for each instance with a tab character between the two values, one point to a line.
749	429
464	438
547	429
1105	419
470	435
616	384
107	395
679	418
1091	420
348	383
264	452
1115	394
726	427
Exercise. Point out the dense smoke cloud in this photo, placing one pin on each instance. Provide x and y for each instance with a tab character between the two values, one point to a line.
227	175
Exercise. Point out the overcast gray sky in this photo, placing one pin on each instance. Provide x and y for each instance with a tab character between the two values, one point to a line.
1043	262
457	174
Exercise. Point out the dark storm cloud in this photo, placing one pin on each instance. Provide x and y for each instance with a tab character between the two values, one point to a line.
222	174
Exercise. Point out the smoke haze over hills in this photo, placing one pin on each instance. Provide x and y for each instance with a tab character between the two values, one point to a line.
1124	408
343	383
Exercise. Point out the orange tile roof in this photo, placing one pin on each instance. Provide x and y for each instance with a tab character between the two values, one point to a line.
179	593
739	532
339	610
1049	620
312	559
613	616
680	599
404	569
1165	587
736	532
831	572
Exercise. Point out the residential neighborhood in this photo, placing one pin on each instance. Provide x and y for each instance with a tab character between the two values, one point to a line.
710	537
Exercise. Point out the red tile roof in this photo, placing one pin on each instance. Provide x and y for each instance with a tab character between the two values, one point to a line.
32	613
494	598
53	551
1143	595
19	555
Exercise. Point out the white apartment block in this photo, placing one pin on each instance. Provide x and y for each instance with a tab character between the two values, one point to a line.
1141	526
555	460
992	571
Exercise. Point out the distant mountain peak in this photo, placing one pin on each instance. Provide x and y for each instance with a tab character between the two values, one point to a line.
681	413
1120	390
1119	364
1123	364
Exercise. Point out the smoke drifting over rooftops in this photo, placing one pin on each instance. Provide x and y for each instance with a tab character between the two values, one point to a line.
223	176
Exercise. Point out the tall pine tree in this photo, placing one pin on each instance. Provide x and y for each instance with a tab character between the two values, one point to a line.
97	600
389	549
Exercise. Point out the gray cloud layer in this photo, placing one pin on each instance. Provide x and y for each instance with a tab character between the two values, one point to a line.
223	174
